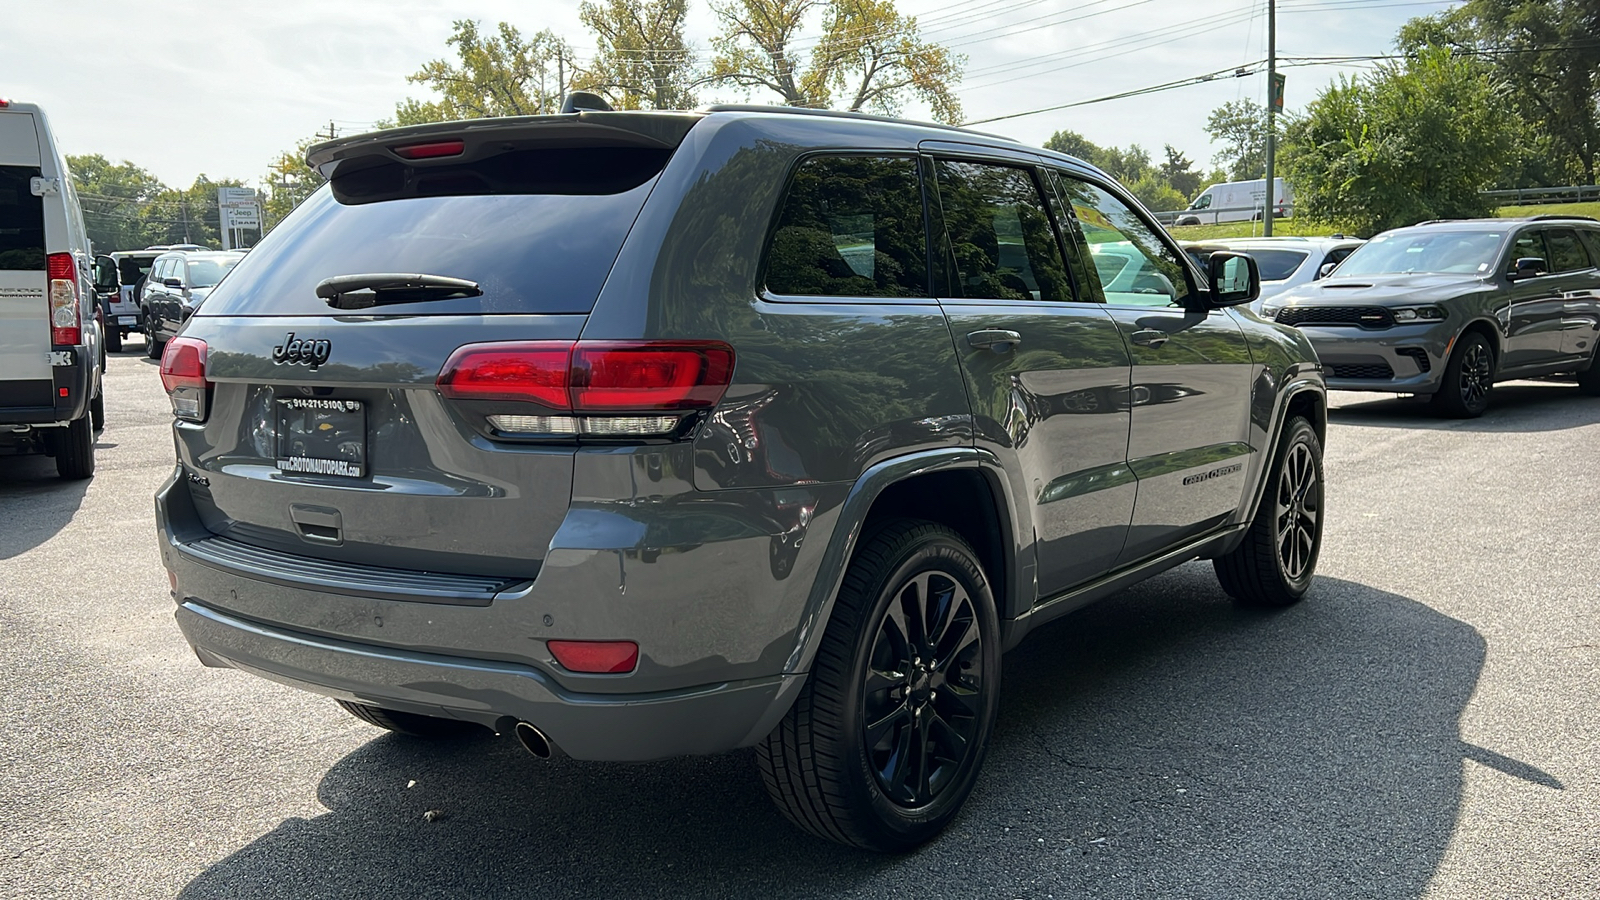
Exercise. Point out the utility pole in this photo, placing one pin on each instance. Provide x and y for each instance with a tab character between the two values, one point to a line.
1274	97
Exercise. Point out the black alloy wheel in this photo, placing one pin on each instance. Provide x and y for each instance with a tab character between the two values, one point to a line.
1468	378
923	691
1297	512
1276	561
885	741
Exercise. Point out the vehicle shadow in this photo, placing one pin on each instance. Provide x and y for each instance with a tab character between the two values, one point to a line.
1514	406
1162	743
36	502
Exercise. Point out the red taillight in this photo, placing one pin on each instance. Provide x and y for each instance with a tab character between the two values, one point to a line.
432	150
183	374
66	322
656	375
592	376
535	371
600	657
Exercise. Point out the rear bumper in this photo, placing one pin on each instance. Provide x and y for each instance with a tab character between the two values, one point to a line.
629	727
713	620
1405	359
76	378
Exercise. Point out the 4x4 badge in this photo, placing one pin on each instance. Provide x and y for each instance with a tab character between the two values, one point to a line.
302	352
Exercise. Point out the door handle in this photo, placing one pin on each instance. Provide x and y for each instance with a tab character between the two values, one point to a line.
1149	337
995	339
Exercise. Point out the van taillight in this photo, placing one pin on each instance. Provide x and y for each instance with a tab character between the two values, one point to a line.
595	388
183	374
66	321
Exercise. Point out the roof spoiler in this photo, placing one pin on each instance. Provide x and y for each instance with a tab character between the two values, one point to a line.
585	126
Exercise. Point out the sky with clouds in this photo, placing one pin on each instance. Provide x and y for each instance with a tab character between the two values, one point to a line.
220	88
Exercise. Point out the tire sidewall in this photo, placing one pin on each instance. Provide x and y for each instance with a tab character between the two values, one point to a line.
940	552
1453	375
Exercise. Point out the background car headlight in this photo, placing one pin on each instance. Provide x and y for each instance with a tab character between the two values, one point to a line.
1418	313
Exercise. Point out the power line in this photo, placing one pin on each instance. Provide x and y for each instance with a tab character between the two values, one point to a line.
1235	72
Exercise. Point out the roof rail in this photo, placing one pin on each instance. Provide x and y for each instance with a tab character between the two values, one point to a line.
1545	217
843	114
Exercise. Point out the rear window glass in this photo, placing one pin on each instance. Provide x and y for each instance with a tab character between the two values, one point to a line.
537	230
205	273
21	220
1566	254
1276	265
851	227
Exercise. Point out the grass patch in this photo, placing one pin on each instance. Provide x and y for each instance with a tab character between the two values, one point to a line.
1285	227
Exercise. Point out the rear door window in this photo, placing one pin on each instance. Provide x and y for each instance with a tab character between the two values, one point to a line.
1566	253
851	226
1000	242
1276	265
21	220
538	231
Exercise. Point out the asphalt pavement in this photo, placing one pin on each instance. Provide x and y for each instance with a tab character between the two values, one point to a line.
1424	725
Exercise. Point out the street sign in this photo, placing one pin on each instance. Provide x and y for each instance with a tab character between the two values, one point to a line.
238	208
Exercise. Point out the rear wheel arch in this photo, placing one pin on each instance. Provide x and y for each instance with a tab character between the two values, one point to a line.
970	502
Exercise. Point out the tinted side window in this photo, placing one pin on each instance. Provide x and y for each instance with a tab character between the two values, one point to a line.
851	227
1592	238
1135	268
21	220
1566	254
1000	241
1528	245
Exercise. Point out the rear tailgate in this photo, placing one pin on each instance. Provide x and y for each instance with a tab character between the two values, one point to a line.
325	436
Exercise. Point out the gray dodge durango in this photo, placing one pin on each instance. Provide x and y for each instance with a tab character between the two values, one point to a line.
638	434
1448	308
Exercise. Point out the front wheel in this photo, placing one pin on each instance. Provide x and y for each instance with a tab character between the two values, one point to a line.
885	741
1468	379
114	339
1275	563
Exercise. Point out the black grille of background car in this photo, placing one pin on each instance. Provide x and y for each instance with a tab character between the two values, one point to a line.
1376	370
1418	354
1358	316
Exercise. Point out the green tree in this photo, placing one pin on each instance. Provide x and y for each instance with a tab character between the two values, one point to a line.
1547	53
642	60
288	182
187	215
1074	144
1179	172
1417	139
869	56
499	74
1241	127
113	197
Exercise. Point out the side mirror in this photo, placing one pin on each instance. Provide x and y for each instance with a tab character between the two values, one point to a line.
1234	278
105	274
1529	267
1326	269
172	282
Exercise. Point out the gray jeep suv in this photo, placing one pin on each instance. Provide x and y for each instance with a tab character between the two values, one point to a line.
638	434
1448	308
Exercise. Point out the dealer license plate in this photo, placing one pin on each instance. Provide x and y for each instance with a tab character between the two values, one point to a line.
319	436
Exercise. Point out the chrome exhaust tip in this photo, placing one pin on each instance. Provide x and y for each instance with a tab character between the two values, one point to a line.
533	740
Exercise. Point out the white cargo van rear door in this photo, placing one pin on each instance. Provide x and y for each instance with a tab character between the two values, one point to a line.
24	312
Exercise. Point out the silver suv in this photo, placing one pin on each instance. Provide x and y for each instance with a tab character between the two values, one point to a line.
638	434
1448	308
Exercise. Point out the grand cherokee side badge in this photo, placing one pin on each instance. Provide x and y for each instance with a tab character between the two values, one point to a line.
301	352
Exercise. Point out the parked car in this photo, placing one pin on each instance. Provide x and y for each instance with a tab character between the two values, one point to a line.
1238	201
1448	308
1285	262
665	448
179	282
50	353
119	282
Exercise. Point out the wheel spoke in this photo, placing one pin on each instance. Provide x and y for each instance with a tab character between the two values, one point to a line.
913	604
879	681
956	641
957	701
878	729
894	775
941	602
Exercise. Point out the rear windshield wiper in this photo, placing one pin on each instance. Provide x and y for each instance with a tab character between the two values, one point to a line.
384	288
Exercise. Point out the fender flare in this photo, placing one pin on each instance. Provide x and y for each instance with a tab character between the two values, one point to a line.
853	515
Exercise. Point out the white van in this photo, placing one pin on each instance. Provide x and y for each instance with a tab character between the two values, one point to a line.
50	356
1237	201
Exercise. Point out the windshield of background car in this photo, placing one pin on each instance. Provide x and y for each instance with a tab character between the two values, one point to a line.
1449	252
1276	265
537	230
204	273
